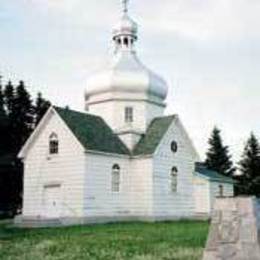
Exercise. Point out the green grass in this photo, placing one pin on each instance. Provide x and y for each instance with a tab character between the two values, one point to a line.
135	241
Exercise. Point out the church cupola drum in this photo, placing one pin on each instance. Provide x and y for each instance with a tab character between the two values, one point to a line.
126	93
125	32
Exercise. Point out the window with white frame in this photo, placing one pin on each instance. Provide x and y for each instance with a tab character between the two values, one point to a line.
53	144
115	181
129	114
174	179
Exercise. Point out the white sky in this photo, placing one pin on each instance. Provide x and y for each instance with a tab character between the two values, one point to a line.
207	50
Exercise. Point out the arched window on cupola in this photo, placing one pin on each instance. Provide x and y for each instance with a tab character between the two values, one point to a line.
126	41
174	179
53	144
115	180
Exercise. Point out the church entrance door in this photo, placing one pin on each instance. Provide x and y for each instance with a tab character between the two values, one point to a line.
52	201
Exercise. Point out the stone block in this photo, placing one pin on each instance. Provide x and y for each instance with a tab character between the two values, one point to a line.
235	230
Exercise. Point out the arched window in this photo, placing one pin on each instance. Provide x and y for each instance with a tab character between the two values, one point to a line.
174	179
126	42
53	144
115	182
221	190
174	146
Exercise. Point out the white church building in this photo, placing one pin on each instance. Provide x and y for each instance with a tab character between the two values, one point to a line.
122	159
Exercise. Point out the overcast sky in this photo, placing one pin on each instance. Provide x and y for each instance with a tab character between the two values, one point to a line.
207	50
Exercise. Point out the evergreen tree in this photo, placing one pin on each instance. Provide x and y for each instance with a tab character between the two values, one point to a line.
249	180
41	107
3	122
1	97
20	117
23	114
17	120
2	109
218	158
9	97
9	108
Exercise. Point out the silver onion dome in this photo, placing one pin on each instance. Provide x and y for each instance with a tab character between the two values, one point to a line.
126	73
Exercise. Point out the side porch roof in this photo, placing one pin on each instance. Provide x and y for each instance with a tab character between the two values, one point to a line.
211	175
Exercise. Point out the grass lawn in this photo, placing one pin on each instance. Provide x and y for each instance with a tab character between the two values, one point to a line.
136	241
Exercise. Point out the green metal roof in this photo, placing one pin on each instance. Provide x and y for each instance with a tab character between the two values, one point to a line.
92	131
212	175
155	132
94	134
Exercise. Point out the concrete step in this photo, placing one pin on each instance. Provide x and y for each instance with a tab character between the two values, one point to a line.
21	222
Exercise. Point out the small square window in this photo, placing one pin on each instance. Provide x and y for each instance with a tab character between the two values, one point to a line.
129	117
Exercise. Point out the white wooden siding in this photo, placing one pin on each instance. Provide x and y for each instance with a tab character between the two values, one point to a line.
201	195
167	203
206	192
134	197
65	169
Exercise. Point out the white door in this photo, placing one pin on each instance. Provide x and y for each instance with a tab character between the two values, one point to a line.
201	198
52	202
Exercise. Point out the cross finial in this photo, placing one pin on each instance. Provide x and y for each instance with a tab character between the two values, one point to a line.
125	5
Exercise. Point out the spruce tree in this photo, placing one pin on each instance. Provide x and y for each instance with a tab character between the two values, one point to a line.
41	107
3	122
2	109
249	180
23	114
19	114
9	97
1	97
218	158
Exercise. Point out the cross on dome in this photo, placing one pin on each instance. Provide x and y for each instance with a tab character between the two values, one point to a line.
125	32
125	5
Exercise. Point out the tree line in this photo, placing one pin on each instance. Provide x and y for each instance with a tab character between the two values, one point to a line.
247	172
19	115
